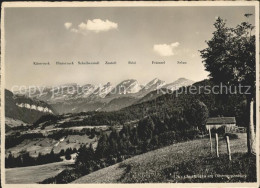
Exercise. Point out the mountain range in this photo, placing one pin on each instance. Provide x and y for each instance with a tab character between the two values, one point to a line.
74	98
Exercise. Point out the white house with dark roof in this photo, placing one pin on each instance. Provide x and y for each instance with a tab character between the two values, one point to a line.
216	122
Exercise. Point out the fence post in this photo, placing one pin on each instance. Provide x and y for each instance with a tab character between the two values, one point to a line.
217	145
228	148
210	140
251	126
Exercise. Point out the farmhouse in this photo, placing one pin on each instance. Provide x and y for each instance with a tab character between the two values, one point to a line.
216	122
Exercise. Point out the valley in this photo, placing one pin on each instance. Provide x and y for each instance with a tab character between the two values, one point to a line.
157	120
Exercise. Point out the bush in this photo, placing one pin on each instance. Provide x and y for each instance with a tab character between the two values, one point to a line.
119	158
102	164
96	167
111	160
68	157
62	153
66	176
220	130
191	134
167	138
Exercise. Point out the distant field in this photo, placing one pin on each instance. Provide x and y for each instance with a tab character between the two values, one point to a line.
45	145
13	122
153	166
34	174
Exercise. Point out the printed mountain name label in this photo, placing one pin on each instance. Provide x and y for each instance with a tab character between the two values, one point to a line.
110	62
158	62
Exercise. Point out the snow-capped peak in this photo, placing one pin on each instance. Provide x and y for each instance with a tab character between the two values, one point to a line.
178	83
126	87
102	90
154	84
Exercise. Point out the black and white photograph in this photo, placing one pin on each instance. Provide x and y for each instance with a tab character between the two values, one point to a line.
121	93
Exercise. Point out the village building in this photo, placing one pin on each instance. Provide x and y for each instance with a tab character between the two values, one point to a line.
28	106
33	107
216	122
39	108
45	109
20	105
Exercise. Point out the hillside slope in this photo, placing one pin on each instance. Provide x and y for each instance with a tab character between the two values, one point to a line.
157	165
25	109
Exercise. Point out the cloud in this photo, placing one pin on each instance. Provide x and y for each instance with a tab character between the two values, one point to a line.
95	25
165	49
74	30
68	25
98	25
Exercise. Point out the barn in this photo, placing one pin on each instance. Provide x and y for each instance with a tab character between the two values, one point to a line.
216	122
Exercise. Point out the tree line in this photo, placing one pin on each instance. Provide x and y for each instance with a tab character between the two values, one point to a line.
25	159
17	138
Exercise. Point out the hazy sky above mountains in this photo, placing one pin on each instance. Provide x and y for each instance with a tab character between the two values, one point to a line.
122	34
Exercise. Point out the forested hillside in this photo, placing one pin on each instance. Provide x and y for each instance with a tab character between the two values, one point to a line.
24	108
175	105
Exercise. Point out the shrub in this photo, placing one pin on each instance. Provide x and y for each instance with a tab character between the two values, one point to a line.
66	176
111	160
191	134
120	158
96	167
68	156
220	130
103	164
167	138
62	153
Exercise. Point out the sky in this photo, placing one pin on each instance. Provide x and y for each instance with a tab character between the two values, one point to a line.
121	34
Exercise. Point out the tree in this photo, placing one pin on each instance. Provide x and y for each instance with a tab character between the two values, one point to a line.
9	162
68	151
145	128
134	136
198	114
102	147
62	152
91	152
154	142
68	156
230	59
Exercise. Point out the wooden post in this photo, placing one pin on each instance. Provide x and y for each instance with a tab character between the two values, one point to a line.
228	148
210	141
251	126
217	145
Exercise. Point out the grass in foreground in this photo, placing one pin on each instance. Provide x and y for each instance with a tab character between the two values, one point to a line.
182	162
213	170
